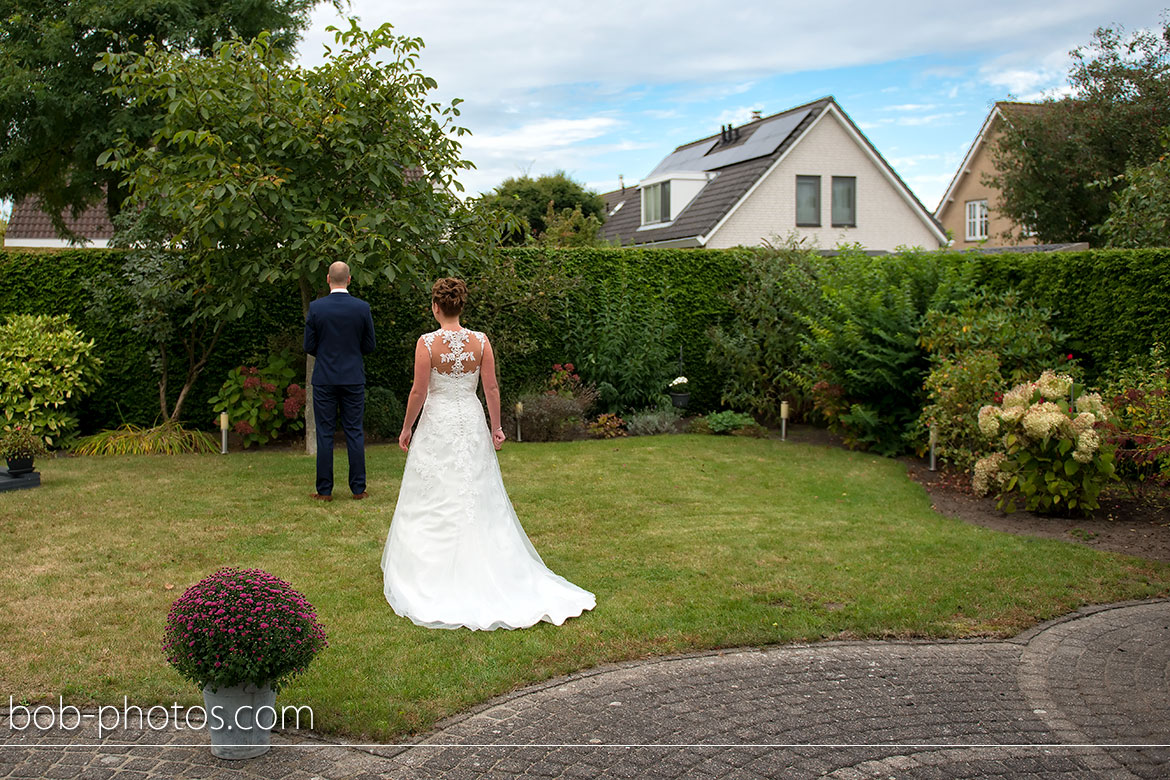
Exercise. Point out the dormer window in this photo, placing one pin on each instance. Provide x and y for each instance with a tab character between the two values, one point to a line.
656	203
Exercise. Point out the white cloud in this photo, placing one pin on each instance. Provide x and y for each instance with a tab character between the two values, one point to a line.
598	88
732	116
513	45
912	160
928	119
541	136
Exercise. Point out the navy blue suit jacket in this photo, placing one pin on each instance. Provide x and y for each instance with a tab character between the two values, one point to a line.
338	331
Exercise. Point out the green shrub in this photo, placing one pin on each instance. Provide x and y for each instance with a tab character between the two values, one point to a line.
729	422
1139	397
385	413
607	426
20	441
625	345
45	366
555	412
261	403
546	416
653	421
957	387
1016	330
520	309
758	352
1051	456
868	369
982	346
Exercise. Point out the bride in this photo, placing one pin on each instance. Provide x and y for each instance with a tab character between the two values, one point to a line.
456	555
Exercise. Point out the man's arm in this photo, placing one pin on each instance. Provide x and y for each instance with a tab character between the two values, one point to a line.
368	342
310	334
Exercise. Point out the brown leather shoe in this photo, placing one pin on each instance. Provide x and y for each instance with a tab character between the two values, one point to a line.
360	496
320	497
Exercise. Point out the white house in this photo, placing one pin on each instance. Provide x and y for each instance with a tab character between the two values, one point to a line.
807	171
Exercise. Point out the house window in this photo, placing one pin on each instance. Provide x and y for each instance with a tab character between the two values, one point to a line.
656	203
808	201
976	220
844	201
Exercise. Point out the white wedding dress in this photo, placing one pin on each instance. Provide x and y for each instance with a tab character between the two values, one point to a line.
456	555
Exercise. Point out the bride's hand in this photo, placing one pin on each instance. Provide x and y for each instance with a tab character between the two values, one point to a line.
404	440
498	438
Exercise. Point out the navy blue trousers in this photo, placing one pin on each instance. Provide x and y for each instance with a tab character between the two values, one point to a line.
347	402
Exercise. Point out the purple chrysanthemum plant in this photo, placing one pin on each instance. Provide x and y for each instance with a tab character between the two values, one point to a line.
240	626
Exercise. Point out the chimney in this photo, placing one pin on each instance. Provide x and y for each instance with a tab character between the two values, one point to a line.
622	182
757	114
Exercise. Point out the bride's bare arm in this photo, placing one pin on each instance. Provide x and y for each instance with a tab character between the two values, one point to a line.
491	392
418	392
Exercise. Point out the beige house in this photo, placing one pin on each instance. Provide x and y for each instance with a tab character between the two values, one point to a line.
807	171
968	211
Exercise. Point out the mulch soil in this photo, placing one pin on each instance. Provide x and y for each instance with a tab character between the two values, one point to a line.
1123	524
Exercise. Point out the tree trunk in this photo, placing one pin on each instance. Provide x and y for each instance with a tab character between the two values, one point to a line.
310	418
162	382
195	366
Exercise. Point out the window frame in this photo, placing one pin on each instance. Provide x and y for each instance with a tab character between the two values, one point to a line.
852	205
980	221
816	182
663	190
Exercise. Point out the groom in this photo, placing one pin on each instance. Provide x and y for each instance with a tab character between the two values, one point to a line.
338	331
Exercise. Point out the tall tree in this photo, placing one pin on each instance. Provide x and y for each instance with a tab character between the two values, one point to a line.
57	114
1139	214
529	199
266	172
1114	118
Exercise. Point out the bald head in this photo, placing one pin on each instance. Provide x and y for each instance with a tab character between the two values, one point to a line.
338	275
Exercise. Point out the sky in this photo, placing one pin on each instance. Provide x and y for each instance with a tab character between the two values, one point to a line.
608	88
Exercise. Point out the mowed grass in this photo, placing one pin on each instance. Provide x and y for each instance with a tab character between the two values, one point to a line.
689	542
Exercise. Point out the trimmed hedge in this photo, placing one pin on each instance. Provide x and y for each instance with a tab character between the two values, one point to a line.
1113	303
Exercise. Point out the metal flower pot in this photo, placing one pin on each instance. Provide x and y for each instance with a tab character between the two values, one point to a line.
240	720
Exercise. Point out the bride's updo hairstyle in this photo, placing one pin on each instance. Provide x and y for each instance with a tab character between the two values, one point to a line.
450	294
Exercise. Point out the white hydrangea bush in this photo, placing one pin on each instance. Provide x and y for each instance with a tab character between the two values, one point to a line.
1050	456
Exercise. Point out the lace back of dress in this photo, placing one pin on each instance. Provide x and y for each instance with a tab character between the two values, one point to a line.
455	352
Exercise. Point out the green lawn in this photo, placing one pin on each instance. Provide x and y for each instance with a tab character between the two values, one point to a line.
689	542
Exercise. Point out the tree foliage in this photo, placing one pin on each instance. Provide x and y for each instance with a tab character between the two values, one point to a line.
571	227
1139	214
1047	159
530	200
58	114
265	172
758	353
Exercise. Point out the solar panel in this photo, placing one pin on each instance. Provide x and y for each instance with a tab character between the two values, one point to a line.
689	158
764	140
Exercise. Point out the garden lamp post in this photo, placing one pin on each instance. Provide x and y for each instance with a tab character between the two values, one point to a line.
933	444
783	421
223	429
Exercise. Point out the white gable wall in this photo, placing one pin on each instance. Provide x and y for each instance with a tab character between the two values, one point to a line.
885	220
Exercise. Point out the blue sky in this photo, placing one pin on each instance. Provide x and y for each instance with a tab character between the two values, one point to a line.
610	87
